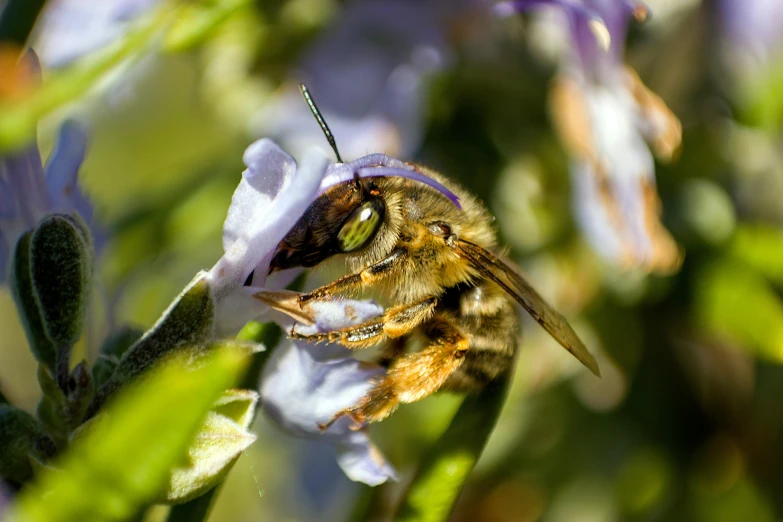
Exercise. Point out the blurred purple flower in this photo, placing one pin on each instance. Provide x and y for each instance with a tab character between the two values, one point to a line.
69	29
369	72
302	385
28	191
608	120
752	28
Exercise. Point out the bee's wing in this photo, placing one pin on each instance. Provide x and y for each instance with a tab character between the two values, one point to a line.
509	280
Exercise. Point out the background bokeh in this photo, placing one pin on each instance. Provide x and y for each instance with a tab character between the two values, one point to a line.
686	422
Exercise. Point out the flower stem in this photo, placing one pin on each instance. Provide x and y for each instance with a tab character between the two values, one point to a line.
439	481
196	510
63	364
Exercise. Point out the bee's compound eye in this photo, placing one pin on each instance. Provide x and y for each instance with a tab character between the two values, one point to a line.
361	225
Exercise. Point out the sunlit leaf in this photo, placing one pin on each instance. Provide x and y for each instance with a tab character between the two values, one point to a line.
121	461
733	300
441	477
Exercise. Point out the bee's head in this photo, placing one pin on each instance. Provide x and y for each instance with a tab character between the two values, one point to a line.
345	219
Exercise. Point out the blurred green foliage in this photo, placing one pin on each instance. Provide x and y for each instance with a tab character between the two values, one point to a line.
112	470
685	425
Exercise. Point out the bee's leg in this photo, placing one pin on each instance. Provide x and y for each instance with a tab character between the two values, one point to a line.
395	322
367	276
413	377
392	350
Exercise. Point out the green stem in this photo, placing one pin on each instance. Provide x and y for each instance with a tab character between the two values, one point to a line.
441	477
63	365
17	20
3	398
197	510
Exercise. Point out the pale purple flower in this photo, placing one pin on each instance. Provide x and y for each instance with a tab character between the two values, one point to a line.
29	191
302	385
752	53
369	72
70	29
608	120
752	30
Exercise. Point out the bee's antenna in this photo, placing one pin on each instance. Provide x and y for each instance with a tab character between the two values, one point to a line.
320	119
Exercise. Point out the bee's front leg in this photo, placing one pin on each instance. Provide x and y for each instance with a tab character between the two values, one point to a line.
353	282
394	323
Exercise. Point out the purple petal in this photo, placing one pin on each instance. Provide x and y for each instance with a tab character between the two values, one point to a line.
380	165
24	178
361	461
62	170
5	258
271	197
299	392
268	169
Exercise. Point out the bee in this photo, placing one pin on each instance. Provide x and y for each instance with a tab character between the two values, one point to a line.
434	261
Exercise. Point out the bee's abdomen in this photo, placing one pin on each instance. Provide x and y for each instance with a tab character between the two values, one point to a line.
487	316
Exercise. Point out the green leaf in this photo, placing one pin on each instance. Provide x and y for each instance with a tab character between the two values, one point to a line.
52	409
734	301
197	21
19	118
21	287
760	246
121	460
218	444
195	510
187	325
21	435
220	441
441	477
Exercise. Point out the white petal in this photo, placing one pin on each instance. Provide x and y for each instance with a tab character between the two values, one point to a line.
266	205
299	392
361	461
268	169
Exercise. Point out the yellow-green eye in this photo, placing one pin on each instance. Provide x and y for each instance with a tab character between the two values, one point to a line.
361	225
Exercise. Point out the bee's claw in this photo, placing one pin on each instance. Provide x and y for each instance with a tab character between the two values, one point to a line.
358	421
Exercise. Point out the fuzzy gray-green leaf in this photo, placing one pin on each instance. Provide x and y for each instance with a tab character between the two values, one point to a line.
186	325
20	436
21	286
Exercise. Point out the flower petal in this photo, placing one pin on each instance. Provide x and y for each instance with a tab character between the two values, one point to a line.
268	169
23	175
62	169
299	392
361	461
271	197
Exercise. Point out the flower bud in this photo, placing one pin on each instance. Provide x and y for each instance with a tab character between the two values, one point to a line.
21	286
61	266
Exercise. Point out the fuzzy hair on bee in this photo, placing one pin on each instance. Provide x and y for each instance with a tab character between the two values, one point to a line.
435	263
